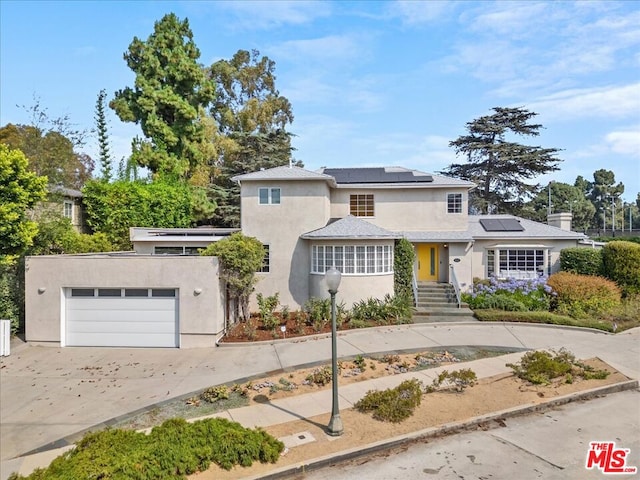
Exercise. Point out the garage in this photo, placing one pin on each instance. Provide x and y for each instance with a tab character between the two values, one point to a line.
121	317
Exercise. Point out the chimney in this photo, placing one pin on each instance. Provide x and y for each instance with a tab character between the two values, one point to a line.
560	220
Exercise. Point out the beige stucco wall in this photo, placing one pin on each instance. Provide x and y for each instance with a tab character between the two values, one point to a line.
304	206
201	316
353	288
407	209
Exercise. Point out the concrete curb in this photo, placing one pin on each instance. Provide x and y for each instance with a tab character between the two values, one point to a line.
442	430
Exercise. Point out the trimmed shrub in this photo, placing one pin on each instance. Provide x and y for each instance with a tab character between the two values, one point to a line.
583	261
621	263
581	296
392	404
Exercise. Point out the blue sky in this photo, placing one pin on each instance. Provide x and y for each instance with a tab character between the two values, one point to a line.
371	83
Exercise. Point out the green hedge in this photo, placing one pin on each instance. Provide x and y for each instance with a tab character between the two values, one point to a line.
621	263
541	317
583	261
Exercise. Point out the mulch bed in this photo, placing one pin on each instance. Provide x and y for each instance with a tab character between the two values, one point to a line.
255	331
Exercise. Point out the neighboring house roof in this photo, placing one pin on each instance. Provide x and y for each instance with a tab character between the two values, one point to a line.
391	176
187	235
349	227
283	173
67	192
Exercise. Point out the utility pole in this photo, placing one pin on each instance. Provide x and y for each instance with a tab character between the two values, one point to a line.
613	215
549	205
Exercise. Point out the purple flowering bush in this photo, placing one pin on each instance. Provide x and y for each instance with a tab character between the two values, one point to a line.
510	294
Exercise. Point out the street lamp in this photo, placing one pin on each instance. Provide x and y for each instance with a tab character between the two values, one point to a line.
333	277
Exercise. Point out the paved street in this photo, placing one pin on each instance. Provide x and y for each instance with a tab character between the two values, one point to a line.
550	446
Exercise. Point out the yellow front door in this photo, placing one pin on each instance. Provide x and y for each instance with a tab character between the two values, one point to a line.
427	262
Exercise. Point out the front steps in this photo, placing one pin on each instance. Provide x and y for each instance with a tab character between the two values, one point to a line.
436	302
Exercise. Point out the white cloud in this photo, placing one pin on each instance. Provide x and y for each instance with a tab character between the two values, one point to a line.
520	46
625	142
265	15
514	19
331	48
608	102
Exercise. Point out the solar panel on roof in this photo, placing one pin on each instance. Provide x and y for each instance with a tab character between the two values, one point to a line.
501	225
374	175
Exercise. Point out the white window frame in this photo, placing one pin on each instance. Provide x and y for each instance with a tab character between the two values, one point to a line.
271	197
363	259
454	203
521	262
67	209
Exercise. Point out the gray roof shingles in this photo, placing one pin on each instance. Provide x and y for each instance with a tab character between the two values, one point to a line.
349	227
531	231
283	173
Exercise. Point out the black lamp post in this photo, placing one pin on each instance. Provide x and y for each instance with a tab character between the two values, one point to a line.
333	277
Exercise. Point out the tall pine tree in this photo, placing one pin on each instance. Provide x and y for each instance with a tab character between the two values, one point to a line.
168	100
498	166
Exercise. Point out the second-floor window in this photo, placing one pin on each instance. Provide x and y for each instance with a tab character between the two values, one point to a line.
269	196
454	203
68	210
361	205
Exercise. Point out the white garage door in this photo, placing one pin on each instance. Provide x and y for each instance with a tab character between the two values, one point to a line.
121	317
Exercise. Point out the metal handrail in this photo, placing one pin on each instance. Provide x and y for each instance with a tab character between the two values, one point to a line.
453	280
414	284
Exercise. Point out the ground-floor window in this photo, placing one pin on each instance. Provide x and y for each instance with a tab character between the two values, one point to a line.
517	262
352	259
266	261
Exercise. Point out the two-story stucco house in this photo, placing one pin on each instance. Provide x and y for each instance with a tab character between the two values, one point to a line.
164	294
350	217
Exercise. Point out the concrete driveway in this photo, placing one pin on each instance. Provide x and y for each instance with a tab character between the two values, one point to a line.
48	393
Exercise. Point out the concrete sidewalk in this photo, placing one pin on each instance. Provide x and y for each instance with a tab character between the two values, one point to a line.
48	394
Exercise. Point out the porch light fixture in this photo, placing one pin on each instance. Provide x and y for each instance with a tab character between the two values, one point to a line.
333	277
41	290
197	291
